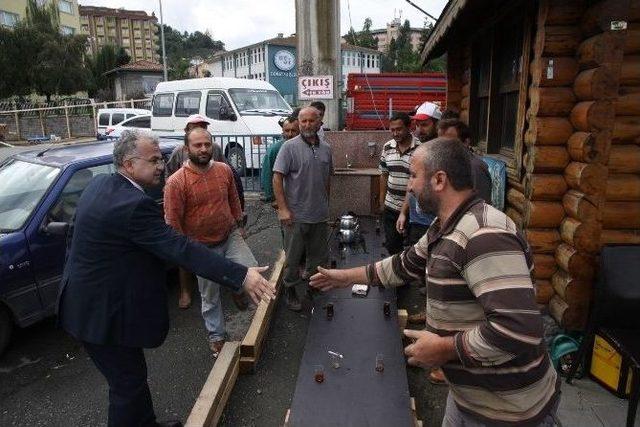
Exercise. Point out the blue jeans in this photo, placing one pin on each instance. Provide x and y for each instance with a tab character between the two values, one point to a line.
236	250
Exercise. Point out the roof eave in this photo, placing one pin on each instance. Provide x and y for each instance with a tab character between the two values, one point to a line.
434	45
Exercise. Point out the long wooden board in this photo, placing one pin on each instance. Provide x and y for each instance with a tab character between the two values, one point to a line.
216	390
253	341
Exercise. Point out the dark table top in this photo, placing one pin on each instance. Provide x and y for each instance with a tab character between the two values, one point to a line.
355	394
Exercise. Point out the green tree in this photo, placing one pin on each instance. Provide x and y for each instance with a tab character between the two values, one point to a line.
400	56
363	38
181	48
36	57
106	59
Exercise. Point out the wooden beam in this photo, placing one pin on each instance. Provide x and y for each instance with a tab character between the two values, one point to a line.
548	131
216	390
254	339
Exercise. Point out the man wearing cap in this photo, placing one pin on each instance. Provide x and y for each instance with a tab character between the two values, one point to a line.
176	161
394	166
426	120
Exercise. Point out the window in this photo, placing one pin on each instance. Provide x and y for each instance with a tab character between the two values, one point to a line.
103	119
217	104
139	122
65	6
65	207
162	105
117	118
67	31
8	19
499	71
130	115
187	103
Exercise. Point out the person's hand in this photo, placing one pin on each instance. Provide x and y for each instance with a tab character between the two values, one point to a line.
257	287
325	280
428	349
381	208
401	223
285	216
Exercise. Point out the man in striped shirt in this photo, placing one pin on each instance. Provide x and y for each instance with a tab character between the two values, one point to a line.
483	326
394	166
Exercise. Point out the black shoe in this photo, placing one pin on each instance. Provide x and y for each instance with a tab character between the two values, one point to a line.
293	302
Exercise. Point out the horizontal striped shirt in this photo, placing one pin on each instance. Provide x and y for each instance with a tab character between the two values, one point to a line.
396	165
477	268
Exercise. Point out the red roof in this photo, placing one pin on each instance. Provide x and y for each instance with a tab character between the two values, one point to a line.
142	65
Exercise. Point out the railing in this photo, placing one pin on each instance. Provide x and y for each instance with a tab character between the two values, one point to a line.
245	153
79	118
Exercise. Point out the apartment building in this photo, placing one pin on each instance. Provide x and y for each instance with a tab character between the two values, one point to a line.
12	11
274	60
134	30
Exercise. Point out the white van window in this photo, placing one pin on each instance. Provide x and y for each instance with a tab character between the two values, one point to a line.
117	118
162	105
103	119
130	115
251	101
187	103
139	122
215	103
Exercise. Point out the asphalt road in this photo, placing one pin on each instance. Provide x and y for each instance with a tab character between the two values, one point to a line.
46	378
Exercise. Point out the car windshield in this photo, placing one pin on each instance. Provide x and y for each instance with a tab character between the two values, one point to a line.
22	186
259	101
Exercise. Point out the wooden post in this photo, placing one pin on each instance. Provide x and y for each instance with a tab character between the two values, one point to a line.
41	122
17	125
66	117
95	119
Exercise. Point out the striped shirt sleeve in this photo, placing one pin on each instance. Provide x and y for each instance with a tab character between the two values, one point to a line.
497	274
401	268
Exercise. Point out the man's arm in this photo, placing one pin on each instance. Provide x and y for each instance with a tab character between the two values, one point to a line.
392	271
497	274
383	190
147	229
284	214
401	223
174	205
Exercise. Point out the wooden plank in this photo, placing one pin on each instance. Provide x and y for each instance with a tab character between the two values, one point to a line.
215	392
251	346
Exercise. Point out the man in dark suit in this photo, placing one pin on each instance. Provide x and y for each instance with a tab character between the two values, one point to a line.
113	296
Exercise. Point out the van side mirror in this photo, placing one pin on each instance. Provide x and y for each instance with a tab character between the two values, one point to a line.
56	228
226	114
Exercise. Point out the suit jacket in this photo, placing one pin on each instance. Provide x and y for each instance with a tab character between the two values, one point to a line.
113	288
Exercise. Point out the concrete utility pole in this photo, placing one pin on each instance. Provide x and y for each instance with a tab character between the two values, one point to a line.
164	53
318	48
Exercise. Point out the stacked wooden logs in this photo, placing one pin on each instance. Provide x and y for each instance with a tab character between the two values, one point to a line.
465	90
536	204
621	210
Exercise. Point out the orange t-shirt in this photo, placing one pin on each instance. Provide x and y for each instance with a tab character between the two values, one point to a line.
203	205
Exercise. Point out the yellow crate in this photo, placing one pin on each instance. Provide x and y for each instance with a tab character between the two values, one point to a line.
607	368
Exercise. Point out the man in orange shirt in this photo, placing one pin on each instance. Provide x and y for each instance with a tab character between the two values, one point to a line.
201	201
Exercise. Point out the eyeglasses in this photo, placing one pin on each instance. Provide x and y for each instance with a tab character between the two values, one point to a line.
159	161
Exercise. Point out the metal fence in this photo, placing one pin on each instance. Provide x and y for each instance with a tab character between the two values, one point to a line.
72	119
246	153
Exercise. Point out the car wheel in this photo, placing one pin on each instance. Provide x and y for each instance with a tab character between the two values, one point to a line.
6	325
236	159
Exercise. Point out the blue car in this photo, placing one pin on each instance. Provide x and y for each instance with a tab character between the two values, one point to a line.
39	191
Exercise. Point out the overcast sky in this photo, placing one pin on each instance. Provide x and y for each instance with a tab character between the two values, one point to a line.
241	22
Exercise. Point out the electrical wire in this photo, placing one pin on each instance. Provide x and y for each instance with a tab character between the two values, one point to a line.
421	10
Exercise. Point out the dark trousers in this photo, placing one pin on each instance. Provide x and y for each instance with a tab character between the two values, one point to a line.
126	372
393	239
302	241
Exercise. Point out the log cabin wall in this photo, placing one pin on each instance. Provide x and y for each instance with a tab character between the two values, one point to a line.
579	186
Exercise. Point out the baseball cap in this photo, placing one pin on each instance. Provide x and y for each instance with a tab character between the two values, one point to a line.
197	118
428	110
